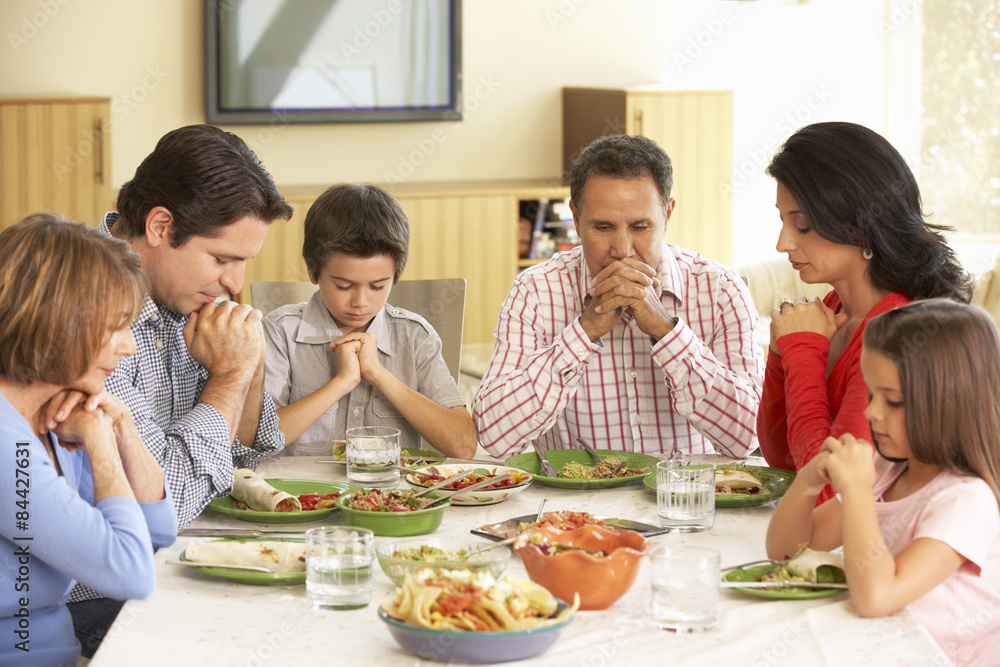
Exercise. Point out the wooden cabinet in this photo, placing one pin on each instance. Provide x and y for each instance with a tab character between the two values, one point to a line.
457	230
55	155
695	128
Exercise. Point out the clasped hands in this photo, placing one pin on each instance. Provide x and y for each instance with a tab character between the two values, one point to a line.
226	338
625	285
804	314
355	356
846	463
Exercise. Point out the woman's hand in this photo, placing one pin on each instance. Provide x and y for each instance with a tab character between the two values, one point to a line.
804	314
849	464
88	429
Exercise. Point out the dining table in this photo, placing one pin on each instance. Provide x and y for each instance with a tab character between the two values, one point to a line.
196	619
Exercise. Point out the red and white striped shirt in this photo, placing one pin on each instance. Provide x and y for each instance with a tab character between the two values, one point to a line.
699	386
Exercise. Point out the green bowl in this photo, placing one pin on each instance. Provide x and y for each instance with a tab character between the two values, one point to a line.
559	457
395	524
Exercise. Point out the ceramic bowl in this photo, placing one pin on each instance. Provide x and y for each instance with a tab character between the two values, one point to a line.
493	561
480	496
395	524
599	581
453	646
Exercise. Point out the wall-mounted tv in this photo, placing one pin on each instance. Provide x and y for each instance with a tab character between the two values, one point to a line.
332	61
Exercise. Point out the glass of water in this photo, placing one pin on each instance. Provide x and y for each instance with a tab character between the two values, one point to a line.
685	588
685	495
371	453
339	567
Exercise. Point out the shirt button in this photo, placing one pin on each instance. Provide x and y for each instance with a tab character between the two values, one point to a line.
580	351
638	419
634	373
159	345
658	358
357	411
154	316
631	325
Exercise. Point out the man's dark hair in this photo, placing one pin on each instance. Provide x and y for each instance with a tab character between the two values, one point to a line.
358	220
206	178
622	156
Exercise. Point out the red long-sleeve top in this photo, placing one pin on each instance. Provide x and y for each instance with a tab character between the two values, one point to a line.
800	406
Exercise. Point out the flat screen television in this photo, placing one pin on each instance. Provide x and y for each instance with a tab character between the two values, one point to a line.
332	61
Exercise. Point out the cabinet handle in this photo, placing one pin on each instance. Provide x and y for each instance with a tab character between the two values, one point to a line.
638	121
100	150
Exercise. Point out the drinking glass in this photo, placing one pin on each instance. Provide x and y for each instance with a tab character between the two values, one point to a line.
685	495
685	588
339	567
371	453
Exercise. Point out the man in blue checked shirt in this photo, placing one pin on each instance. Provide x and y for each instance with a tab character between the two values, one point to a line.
198	207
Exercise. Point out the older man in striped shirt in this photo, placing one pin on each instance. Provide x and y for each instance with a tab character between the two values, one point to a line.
626	341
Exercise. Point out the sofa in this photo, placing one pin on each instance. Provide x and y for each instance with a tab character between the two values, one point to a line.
774	279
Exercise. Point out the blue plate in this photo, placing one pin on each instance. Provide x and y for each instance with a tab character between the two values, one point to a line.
478	647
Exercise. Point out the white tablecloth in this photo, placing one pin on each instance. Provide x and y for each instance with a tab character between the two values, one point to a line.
199	620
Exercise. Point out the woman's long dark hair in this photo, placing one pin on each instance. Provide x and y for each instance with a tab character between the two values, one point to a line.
856	189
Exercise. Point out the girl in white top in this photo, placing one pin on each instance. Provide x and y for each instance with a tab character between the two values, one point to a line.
919	523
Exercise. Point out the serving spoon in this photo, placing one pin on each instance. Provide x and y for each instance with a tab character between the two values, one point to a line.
471	487
449	480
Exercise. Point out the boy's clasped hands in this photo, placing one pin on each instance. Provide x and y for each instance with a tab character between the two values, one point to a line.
356	357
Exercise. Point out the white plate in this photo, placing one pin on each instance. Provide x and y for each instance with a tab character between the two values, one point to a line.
479	496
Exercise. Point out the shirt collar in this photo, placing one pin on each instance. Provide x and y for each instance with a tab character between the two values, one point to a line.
317	325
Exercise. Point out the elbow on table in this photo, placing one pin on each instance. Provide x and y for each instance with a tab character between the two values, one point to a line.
873	604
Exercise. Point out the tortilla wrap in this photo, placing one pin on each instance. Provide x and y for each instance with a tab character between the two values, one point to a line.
283	557
258	495
734	480
808	563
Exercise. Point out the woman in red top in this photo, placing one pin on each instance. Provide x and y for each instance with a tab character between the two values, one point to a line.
851	217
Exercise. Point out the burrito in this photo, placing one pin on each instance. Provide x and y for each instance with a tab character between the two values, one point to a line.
282	557
738	480
253	490
817	566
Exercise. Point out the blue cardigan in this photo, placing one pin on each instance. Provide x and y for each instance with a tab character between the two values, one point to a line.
52	535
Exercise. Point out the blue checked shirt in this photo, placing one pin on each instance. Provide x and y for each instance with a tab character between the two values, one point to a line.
161	384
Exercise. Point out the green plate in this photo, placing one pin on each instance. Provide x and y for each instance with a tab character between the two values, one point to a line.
255	578
296	487
559	457
752	572
429	458
778	481
395	524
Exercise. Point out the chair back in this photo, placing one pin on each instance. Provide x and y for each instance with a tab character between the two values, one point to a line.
440	301
267	295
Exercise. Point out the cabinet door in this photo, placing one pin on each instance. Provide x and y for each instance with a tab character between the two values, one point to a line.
466	236
55	156
696	130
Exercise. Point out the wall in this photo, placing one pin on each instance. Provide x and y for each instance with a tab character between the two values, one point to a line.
789	62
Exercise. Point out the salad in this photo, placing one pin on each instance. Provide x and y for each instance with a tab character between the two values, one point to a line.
382	500
607	469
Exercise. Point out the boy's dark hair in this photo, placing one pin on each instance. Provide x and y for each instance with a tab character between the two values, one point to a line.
206	178
359	220
622	156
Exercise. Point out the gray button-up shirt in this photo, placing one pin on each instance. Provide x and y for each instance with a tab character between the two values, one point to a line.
299	362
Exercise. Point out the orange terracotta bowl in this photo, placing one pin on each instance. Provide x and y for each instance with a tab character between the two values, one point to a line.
599	581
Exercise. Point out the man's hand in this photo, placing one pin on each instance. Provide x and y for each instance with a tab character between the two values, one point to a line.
225	338
804	315
625	284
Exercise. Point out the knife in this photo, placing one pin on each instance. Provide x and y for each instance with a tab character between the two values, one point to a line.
232	532
780	584
546	466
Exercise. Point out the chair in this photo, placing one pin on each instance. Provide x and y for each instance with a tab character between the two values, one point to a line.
439	301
